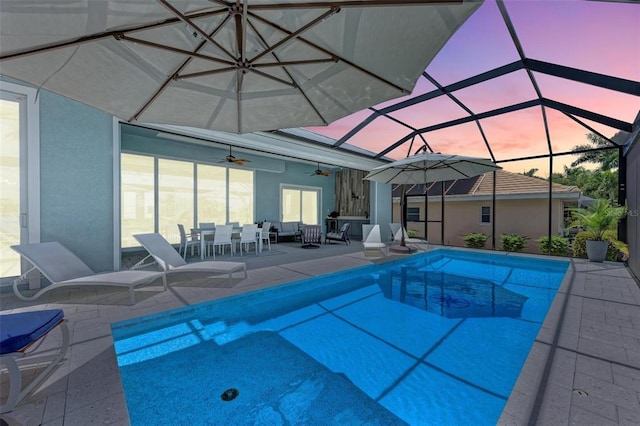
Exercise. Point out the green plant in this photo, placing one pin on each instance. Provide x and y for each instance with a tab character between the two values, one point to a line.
598	218
559	245
615	246
513	242
411	233
475	240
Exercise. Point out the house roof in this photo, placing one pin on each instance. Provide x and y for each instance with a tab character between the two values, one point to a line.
507	183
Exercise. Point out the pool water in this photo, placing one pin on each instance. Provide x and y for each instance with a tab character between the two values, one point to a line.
435	338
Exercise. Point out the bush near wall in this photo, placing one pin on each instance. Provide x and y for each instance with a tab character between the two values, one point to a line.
580	244
513	242
475	240
559	245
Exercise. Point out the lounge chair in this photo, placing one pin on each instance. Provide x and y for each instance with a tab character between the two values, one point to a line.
64	269
20	338
397	230
372	241
171	262
341	235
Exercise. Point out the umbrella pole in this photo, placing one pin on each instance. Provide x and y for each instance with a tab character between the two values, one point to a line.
402	248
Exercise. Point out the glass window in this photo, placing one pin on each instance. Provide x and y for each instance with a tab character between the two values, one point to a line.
291	205
212	194
413	214
221	195
301	205
9	187
175	197
240	196
137	197
485	214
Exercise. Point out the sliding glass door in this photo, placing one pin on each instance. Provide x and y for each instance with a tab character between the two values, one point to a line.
19	175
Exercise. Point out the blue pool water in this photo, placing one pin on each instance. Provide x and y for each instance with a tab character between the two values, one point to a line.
436	338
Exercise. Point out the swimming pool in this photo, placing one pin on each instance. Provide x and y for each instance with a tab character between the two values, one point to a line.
435	338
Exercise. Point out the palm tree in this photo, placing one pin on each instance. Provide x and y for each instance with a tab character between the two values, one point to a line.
606	158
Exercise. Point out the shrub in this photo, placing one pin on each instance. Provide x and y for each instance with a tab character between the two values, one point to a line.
411	233
475	240
599	218
559	245
580	244
513	242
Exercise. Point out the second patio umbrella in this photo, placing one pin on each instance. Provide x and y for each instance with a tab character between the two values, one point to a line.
430	167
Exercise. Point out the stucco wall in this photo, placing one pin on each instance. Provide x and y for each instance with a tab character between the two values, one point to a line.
522	217
76	179
633	203
269	172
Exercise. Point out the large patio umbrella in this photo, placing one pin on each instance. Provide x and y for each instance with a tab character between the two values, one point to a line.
233	66
429	167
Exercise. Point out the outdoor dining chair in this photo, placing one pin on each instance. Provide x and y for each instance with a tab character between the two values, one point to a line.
221	239
266	226
187	241
249	236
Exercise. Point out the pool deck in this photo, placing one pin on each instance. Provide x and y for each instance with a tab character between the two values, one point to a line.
584	367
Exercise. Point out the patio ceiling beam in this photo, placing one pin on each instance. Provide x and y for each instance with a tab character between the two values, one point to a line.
463	106
591	129
622	85
589	115
487	114
488	75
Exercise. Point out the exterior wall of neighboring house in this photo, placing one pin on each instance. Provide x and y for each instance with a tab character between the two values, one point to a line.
522	216
633	203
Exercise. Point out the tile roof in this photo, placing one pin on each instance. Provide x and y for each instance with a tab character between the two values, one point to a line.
506	183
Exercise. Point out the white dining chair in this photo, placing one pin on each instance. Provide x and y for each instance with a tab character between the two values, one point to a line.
249	236
265	234
186	241
222	238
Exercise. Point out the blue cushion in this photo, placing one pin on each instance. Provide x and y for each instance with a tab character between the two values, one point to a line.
19	330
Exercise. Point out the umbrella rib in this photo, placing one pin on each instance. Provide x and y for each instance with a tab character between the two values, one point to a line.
187	20
103	35
328	52
296	33
174	75
286	71
353	3
124	37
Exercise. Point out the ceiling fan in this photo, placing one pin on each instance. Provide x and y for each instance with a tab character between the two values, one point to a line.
232	159
319	172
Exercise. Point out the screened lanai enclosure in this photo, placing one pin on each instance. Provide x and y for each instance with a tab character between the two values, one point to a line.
535	86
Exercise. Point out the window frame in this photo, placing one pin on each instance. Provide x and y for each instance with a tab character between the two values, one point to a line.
416	210
483	215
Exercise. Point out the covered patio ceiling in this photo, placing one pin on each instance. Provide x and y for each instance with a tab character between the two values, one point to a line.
519	82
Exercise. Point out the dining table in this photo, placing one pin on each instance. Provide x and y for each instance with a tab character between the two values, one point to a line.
235	235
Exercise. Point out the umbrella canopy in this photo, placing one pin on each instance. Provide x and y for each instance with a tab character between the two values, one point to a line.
232	66
428	167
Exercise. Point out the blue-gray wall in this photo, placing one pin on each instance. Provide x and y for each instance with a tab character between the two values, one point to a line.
269	172
76	179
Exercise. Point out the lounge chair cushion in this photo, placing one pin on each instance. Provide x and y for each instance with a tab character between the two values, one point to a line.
21	329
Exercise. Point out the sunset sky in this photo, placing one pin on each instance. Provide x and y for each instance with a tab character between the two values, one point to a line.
602	37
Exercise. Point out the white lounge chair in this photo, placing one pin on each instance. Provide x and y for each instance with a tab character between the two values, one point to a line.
64	269
372	241
20	338
171	262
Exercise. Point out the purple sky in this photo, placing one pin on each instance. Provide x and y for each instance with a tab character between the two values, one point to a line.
602	37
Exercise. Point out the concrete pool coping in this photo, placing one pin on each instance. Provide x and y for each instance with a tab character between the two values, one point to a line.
584	366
